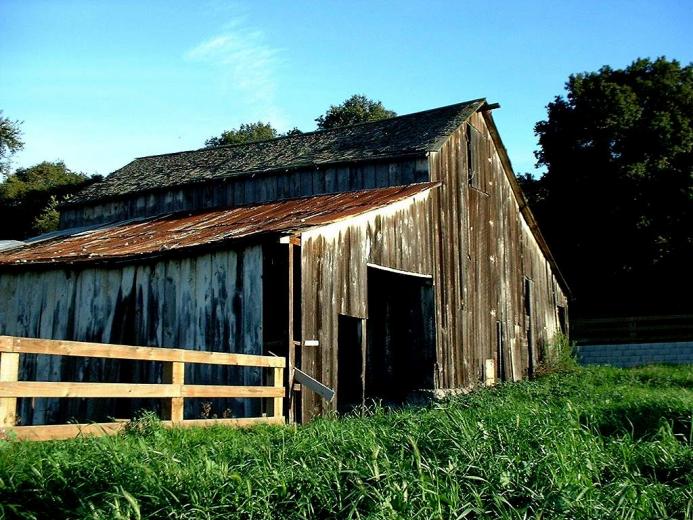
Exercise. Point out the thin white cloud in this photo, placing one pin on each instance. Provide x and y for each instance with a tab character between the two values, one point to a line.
250	65
208	48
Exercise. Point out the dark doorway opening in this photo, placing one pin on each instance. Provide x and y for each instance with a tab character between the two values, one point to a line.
562	321
281	315
350	364
500	350
400	335
529	324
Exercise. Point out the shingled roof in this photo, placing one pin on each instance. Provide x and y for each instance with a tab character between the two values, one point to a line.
405	135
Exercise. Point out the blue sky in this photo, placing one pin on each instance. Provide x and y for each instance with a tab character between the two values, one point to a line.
100	83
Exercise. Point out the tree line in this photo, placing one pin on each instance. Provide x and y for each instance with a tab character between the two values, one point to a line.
30	197
616	200
356	109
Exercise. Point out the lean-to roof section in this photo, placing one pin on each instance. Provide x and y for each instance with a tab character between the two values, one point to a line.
178	232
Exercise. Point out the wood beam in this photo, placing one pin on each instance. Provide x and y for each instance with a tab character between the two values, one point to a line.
9	373
291	342
70	431
108	351
131	390
173	409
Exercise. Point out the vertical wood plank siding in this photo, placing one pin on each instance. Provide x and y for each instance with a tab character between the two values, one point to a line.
472	237
209	302
249	189
484	251
334	262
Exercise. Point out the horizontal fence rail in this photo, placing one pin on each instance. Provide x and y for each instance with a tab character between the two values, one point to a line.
632	329
173	388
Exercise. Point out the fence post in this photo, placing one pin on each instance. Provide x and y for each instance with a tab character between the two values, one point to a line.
174	374
9	373
278	382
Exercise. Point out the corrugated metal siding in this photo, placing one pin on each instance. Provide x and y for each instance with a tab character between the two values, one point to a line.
208	302
334	270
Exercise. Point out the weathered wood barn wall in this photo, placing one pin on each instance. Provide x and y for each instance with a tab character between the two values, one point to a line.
210	302
497	290
216	281
334	266
497	293
443	213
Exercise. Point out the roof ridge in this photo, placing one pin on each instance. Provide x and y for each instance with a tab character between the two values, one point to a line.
313	132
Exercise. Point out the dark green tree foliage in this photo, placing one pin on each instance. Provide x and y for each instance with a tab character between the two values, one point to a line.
49	218
246	133
10	141
617	198
357	109
29	198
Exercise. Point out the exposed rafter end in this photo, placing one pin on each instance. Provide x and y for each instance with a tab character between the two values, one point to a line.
490	106
294	240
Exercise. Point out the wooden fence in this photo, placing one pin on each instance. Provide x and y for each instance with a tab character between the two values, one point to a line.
632	329
173	388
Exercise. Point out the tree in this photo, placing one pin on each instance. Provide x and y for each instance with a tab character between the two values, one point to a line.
29	198
357	109
10	141
41	177
246	133
616	201
49	218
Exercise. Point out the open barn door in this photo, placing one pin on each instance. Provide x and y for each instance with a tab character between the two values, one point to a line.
400	353
350	365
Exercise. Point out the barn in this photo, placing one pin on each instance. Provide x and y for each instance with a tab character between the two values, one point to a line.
379	259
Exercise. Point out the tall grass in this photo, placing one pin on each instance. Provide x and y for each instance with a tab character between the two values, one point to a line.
590	443
558	356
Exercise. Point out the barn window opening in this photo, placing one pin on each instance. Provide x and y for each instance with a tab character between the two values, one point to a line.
529	324
472	138
500	350
562	321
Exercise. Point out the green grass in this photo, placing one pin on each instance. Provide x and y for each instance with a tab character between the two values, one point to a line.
588	443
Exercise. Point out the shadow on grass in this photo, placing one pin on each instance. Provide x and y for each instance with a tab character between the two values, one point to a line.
641	420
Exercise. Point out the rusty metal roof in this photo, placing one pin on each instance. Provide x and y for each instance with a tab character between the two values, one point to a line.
184	231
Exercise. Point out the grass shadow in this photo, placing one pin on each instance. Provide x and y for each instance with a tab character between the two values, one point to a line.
641	420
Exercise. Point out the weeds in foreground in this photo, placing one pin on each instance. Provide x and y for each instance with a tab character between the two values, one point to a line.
146	423
592	443
558	356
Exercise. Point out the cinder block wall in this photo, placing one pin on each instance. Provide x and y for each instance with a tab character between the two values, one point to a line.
634	354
